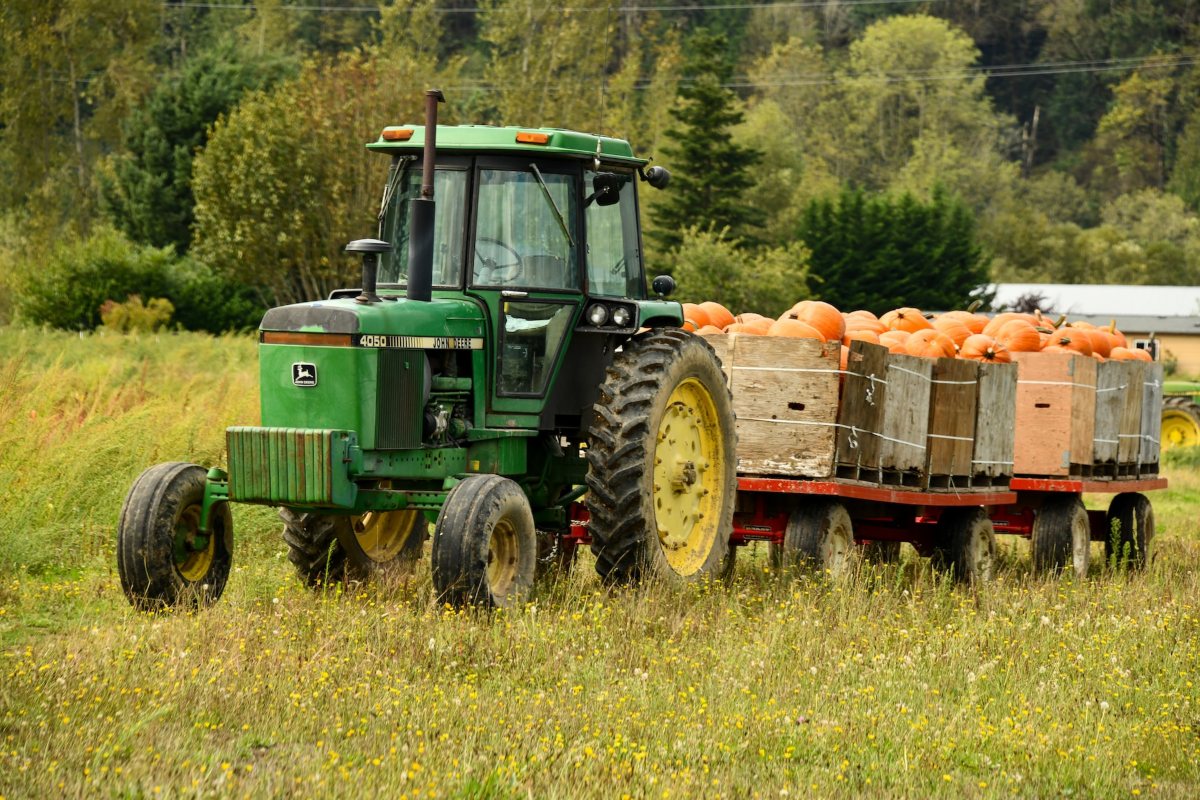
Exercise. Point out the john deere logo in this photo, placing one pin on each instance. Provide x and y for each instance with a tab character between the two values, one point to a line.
304	374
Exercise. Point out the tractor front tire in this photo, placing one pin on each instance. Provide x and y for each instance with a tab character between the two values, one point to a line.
1062	536
661	462
329	548
163	557
484	544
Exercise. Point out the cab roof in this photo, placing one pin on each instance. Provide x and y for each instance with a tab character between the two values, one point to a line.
492	139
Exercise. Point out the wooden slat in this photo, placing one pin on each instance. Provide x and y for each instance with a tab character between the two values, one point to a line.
861	413
1130	428
1112	382
906	414
1152	392
995	420
951	434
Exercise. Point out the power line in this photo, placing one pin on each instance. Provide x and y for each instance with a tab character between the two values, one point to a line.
611	7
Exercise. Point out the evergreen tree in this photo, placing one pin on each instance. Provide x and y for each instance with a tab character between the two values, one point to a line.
878	252
151	199
709	171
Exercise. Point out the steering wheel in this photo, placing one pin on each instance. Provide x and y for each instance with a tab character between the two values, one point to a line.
491	267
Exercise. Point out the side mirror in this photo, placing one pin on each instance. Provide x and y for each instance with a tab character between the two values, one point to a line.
663	285
606	189
658	177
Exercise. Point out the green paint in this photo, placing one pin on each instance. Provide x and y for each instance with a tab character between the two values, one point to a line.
477	138
500	456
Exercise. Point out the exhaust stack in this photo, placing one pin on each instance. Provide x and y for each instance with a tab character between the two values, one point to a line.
420	249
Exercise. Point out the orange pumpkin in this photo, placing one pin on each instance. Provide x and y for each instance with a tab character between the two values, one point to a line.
845	360
820	315
1018	336
795	328
1000	320
861	335
690	326
696	314
981	347
929	343
1130	354
748	316
906	319
709	330
1076	341
974	322
894	340
953	328
1118	337
718	315
758	327
1054	348
1101	342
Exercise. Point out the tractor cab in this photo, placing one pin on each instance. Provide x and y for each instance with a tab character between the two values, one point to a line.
539	228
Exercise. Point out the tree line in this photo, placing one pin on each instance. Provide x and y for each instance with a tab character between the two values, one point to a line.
868	153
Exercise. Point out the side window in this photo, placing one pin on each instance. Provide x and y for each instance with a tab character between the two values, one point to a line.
449	225
530	339
614	264
526	235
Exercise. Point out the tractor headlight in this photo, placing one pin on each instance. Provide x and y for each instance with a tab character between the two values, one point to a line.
597	315
621	317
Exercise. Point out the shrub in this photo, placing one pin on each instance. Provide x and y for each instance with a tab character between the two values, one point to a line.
133	315
68	288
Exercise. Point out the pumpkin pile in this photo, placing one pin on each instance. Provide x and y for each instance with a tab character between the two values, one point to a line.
954	334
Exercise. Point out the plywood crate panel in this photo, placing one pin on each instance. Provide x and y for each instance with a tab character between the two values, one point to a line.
860	415
950	439
1056	414
785	396
995	425
1151	428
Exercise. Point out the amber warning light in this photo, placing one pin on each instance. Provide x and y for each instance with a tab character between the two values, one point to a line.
528	137
397	134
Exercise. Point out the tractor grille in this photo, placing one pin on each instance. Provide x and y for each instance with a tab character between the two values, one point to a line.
290	465
400	403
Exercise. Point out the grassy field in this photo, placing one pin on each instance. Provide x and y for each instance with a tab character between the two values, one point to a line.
898	684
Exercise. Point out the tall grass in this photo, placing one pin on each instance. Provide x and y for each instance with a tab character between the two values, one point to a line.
896	684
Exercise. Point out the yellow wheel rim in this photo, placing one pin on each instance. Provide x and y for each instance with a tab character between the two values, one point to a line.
195	563
689	461
1179	429
504	552
383	534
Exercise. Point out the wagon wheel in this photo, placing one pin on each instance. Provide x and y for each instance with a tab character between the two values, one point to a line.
966	545
819	533
1062	536
1131	530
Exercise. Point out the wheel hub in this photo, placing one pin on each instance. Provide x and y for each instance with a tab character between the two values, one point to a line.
194	552
687	455
1179	429
383	534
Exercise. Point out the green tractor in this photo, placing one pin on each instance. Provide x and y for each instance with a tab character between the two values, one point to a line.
1181	414
501	366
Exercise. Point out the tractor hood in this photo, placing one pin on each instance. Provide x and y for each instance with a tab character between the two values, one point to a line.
443	317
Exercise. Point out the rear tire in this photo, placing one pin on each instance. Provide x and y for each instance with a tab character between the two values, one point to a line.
662	462
331	548
820	535
1062	536
162	557
1134	517
966	545
1180	423
880	551
484	544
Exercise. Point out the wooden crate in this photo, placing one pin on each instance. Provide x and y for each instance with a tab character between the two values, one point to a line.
785	396
995	425
1151	427
950	438
860	416
1056	414
905	425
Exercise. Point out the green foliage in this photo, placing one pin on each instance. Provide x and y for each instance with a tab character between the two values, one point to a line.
68	288
878	252
151	196
134	315
709	170
708	265
1182	457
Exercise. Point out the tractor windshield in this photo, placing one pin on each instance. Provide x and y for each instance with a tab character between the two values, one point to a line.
525	234
450	190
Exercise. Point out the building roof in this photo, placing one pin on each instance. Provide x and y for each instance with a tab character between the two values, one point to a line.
1081	301
1142	324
